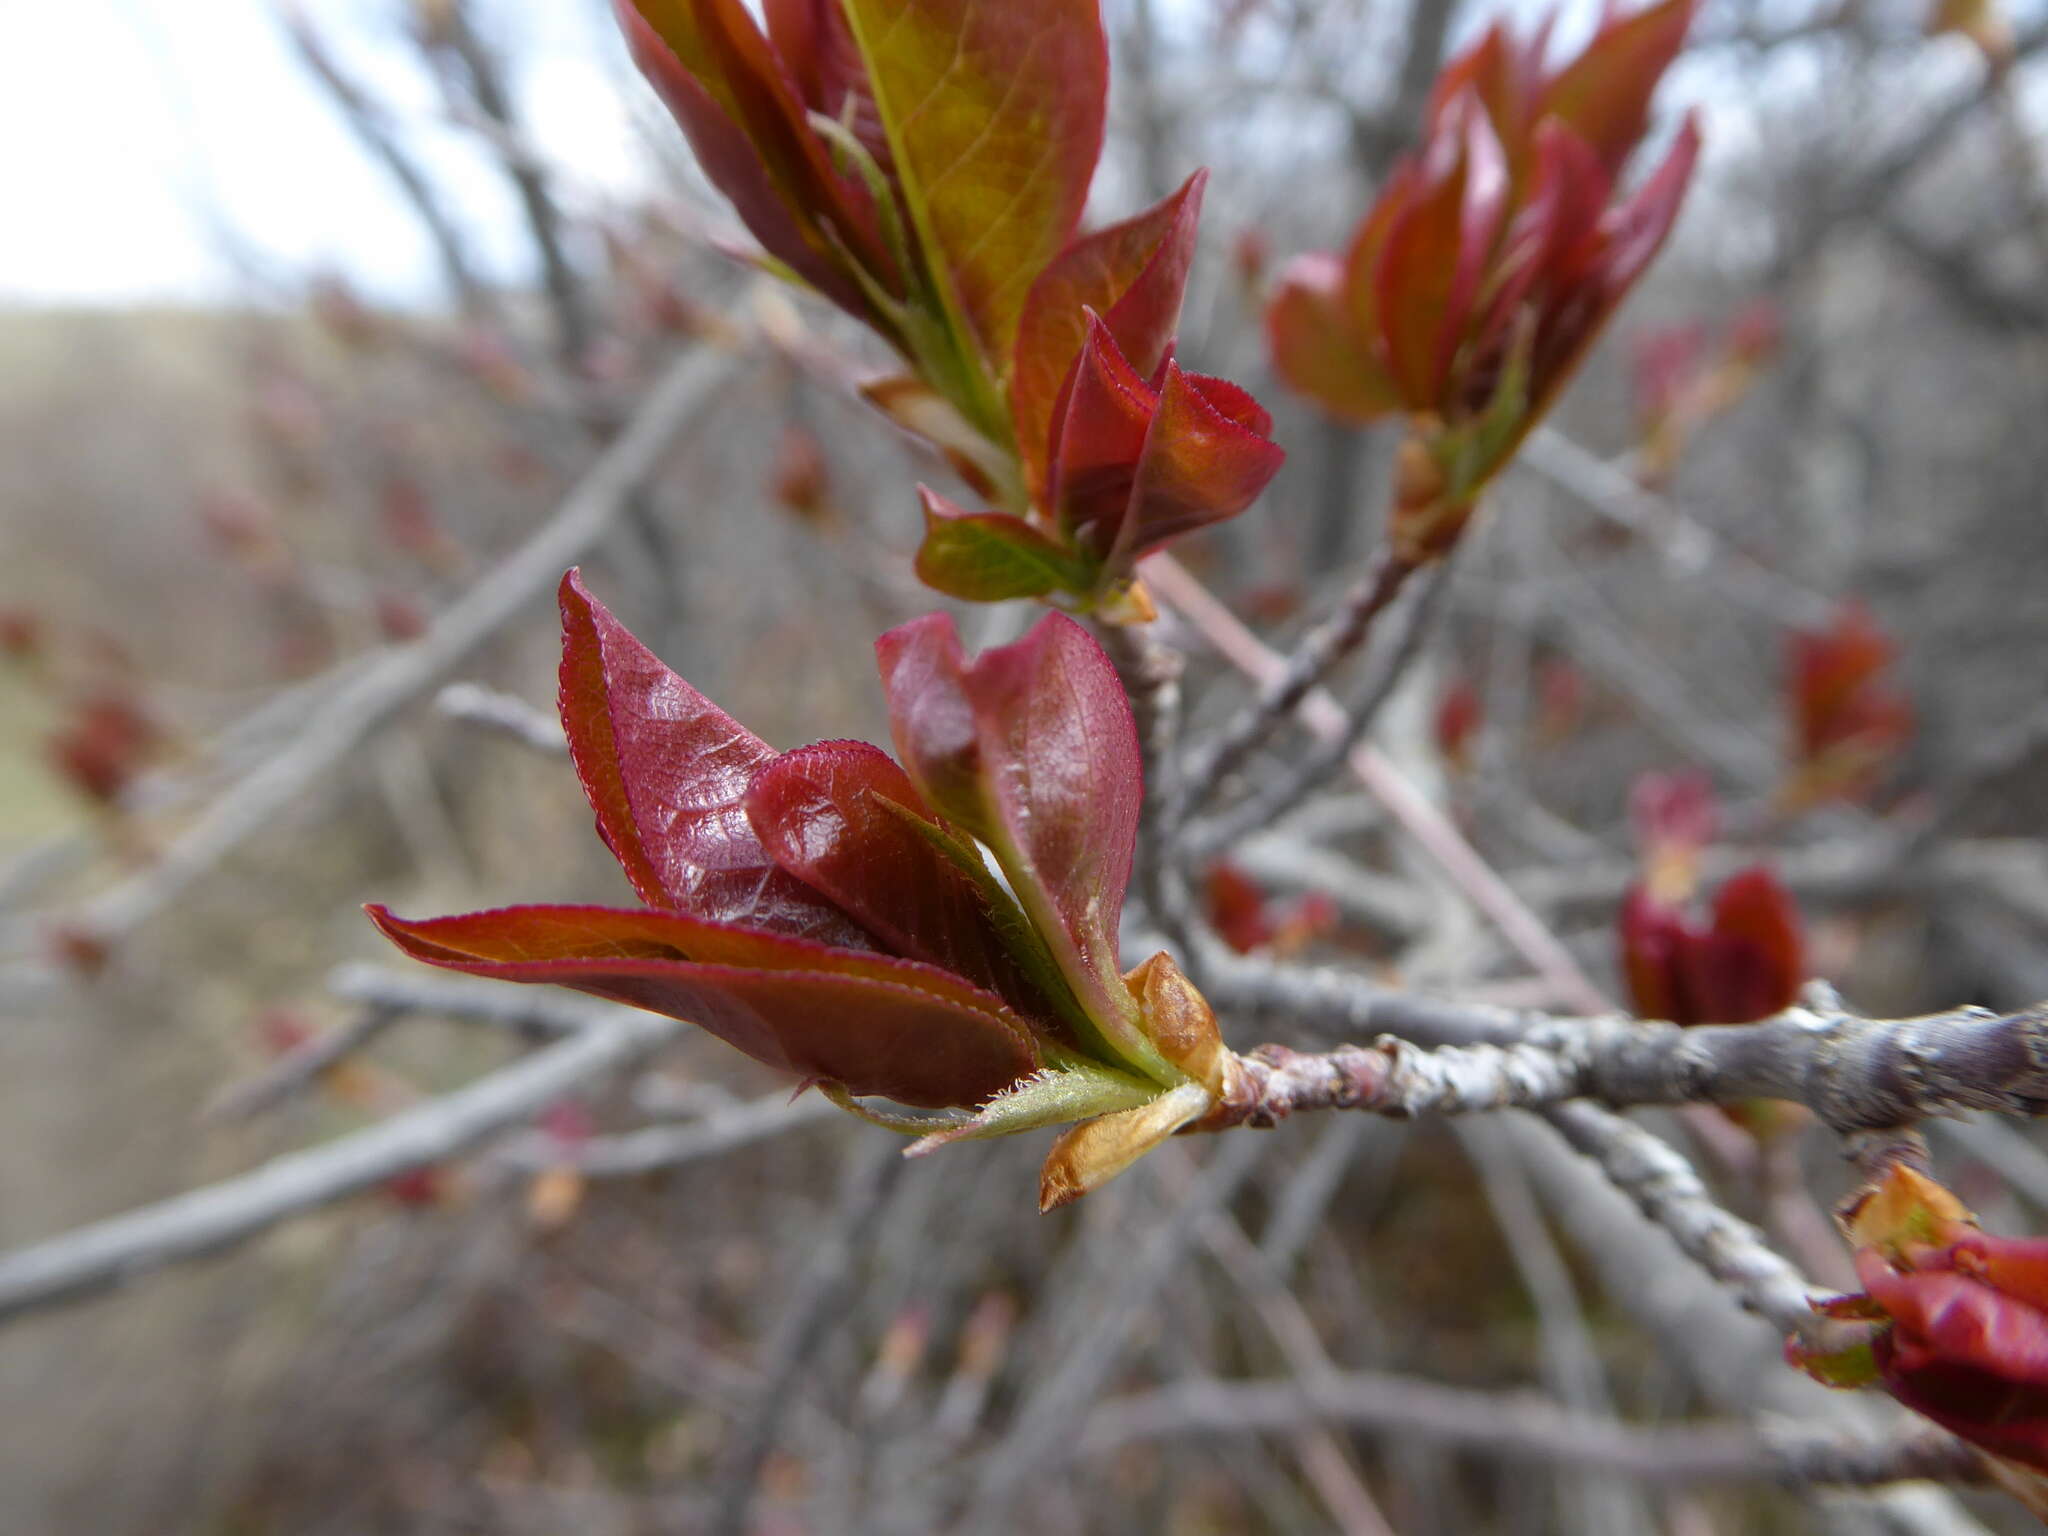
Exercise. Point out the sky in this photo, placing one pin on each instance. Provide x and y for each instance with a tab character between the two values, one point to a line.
118	170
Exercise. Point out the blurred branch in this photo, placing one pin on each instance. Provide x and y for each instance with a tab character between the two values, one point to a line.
1279	795
1523	1426
567	301
834	1249
190	1226
369	699
505	713
1438	838
370	124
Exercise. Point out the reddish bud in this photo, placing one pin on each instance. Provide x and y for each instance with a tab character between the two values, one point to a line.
104	743
1960	1325
1849	720
1675	817
1745	961
1456	724
21	634
399	618
799	481
1492	259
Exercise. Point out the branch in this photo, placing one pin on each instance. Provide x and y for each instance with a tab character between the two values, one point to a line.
369	699
189	1226
1651	1172
1856	1074
1423	821
1275	799
506	714
1523	1426
367	121
1284	686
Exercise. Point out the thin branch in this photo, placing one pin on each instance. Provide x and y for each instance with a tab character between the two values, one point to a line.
506	714
1523	1426
1276	798
1651	1172
190	1226
818	1295
1854	1073
367	121
370	699
1284	687
1150	671
1428	825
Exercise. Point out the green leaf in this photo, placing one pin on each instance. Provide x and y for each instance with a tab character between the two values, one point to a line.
989	556
994	115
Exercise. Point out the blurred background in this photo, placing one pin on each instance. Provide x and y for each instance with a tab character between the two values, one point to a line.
311	318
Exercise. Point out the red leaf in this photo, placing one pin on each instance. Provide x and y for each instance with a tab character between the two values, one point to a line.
834	816
1103	414
879	1025
1848	718
718	77
817	47
1133	275
1756	912
1316	350
1436	248
1603	95
667	772
1032	749
994	111
1651	936
1206	458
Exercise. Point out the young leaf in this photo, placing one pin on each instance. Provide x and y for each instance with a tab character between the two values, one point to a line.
667	772
994	115
838	817
882	1026
985	557
1032	749
1133	275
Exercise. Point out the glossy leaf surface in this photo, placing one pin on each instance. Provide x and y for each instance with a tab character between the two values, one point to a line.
667	772
876	1024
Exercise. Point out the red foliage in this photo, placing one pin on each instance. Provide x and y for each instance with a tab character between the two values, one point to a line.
1492	259
822	909
1745	961
1849	720
1961	1325
104	743
1456	724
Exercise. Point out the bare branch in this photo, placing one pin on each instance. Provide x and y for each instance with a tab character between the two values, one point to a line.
190	1226
1523	1426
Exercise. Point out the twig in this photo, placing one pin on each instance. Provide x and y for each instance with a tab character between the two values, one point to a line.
631	1154
1686	545
1051	1412
1854	1073
297	1067
1151	674
1276	798
1664	1186
371	698
189	1226
1523	1426
1442	841
505	713
805	1321
1285	684
529	1012
367	121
